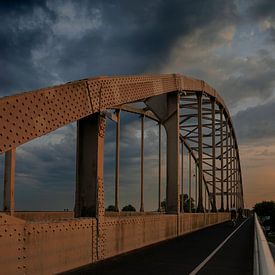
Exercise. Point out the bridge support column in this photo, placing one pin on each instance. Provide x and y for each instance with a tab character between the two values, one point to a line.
213	115
221	151
200	133
9	177
160	152
190	183
142	166
227	166
166	108
117	161
234	178
231	169
182	179
89	197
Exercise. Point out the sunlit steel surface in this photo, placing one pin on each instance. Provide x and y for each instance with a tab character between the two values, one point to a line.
191	112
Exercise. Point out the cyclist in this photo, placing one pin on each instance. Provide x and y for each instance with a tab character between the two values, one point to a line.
233	212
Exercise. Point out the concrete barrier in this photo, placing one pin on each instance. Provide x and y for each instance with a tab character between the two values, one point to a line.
263	259
33	246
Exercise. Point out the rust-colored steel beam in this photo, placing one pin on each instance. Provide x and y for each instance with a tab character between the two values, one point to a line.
231	168
222	157
190	183
227	167
200	152
160	158
9	178
117	179
54	107
142	166
182	177
29	115
213	130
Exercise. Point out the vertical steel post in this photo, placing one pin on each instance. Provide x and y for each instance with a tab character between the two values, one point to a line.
227	167
9	179
239	189
200	199
235	175
221	151
231	162
190	182
117	160
166	107
213	116
173	154
196	185
142	166
182	179
205	198
209	206
159	199
89	196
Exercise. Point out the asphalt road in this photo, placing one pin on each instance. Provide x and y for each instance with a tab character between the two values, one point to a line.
183	254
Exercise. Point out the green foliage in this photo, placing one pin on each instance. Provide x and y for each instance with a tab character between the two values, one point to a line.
266	208
129	207
111	208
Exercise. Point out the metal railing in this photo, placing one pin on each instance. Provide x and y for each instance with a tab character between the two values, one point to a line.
263	259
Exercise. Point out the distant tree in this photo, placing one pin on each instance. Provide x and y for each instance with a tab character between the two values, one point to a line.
129	207
266	208
111	208
163	205
186	201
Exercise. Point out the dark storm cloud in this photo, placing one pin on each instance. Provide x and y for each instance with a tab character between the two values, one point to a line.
54	41
256	123
263	9
48	42
249	78
264	12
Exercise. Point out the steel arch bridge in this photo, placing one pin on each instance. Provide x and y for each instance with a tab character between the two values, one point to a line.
192	113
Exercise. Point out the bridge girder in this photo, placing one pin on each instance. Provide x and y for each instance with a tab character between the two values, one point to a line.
29	115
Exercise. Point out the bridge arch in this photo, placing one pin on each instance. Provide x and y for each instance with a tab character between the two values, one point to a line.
29	115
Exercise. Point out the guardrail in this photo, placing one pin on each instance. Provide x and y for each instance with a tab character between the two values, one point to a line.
263	259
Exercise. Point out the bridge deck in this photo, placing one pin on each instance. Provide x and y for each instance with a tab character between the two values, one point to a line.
182	255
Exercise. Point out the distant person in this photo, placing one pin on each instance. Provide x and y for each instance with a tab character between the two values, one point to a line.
240	214
233	212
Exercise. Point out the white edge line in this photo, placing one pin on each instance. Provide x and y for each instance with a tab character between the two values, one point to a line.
202	264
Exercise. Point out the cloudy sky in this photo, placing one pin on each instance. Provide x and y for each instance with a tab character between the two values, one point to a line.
229	44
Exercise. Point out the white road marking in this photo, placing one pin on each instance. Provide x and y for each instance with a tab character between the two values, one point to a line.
202	264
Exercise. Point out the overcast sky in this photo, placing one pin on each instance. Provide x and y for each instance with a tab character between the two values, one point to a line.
229	44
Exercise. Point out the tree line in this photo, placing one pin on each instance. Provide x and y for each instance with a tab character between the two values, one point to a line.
187	203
